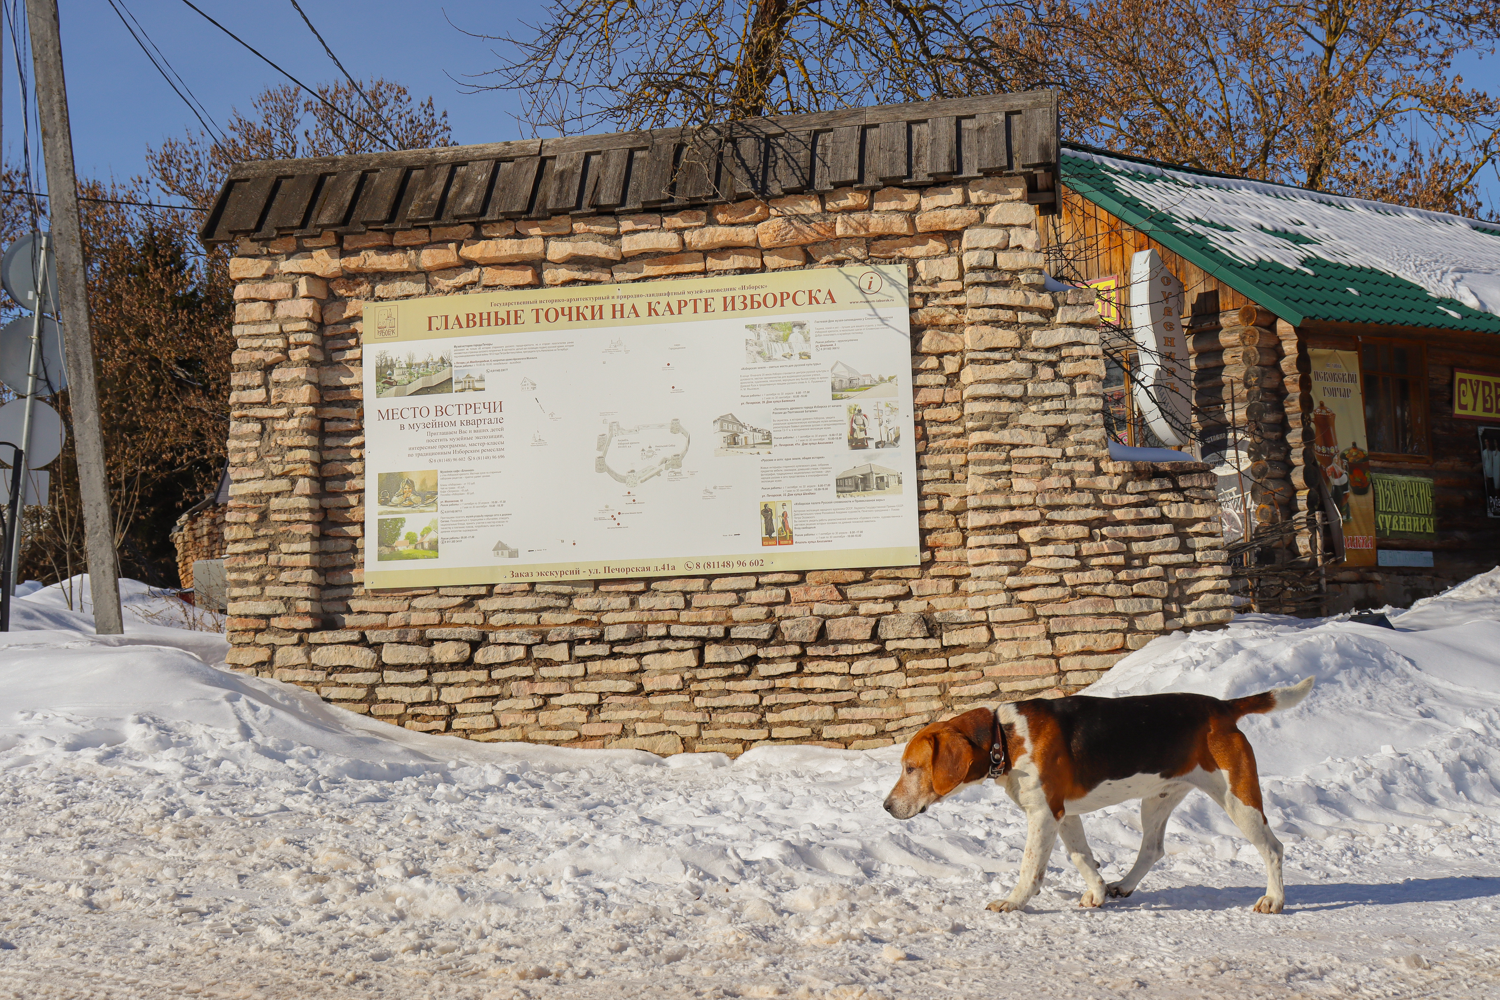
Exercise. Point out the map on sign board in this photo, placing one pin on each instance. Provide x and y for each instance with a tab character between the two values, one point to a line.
750	424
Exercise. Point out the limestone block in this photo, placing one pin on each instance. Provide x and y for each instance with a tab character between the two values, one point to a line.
664	745
512	251
728	653
450	652
848	629
345	656
734	260
806	204
650	241
786	257
999	295
1010	214
249	268
973	636
440	257
947	220
873	224
686	219
380	262
749	210
789	232
719	237
567	251
558	225
903	626
656	267
563	274
804	629
986	239
909	246
1042	339
678	660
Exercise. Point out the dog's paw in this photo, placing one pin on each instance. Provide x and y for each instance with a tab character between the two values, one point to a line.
1114	890
1268	904
1092	898
1005	906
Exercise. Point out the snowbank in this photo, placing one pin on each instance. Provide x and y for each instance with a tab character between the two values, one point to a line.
173	815
61	614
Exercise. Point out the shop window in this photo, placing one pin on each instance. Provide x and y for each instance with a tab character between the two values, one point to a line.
1395	387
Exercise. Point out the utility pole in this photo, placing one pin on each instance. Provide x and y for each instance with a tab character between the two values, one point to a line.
73	309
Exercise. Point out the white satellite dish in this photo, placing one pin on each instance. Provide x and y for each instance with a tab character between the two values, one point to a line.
1160	374
15	356
20	272
47	433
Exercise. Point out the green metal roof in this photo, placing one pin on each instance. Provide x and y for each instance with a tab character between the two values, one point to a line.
1302	254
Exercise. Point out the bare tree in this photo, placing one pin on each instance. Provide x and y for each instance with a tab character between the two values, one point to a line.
287	122
1358	97
163	310
654	63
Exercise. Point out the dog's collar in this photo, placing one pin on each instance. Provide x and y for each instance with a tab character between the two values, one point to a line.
1000	764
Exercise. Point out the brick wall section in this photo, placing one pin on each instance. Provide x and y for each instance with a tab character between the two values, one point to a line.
1043	562
197	535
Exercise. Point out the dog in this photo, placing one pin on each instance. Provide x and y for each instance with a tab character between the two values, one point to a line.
1060	758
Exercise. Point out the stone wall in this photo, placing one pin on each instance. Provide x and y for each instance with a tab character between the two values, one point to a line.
1043	562
198	534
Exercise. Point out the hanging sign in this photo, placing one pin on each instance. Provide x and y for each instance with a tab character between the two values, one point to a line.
1489	463
1107	298
1404	506
740	424
1476	395
1338	444
1161	361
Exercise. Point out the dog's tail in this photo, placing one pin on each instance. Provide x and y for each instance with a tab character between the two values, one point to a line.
1275	700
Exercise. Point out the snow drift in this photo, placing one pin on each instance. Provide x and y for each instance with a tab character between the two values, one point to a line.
146	784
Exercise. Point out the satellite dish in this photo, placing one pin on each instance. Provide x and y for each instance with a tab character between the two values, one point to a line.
1160	375
20	268
47	434
15	356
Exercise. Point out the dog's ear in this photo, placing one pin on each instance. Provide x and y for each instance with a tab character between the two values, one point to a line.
952	760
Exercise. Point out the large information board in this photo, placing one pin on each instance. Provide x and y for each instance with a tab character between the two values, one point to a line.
715	425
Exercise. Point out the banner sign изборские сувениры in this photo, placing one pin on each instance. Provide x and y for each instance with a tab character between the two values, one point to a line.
1341	448
750	423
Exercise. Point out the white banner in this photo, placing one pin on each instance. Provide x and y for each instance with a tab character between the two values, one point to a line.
722	425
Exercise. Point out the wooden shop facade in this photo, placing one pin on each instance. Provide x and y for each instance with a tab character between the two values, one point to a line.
1290	299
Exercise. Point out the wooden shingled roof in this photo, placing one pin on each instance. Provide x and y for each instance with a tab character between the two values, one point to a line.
663	169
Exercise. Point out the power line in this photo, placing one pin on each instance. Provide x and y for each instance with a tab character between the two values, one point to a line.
107	201
331	106
162	67
25	93
352	82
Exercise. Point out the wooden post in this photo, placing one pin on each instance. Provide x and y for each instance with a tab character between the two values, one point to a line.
73	307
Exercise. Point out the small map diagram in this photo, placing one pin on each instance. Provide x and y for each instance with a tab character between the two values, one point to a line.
634	455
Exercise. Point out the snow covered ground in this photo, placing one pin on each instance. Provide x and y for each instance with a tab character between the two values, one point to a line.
173	829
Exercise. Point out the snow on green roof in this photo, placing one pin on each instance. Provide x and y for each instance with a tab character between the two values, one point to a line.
1305	255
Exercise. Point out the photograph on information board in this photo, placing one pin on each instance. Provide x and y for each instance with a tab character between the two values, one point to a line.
748	423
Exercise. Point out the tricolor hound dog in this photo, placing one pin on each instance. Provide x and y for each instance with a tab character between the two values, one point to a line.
1060	758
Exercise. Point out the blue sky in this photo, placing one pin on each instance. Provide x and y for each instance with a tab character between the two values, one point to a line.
120	104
